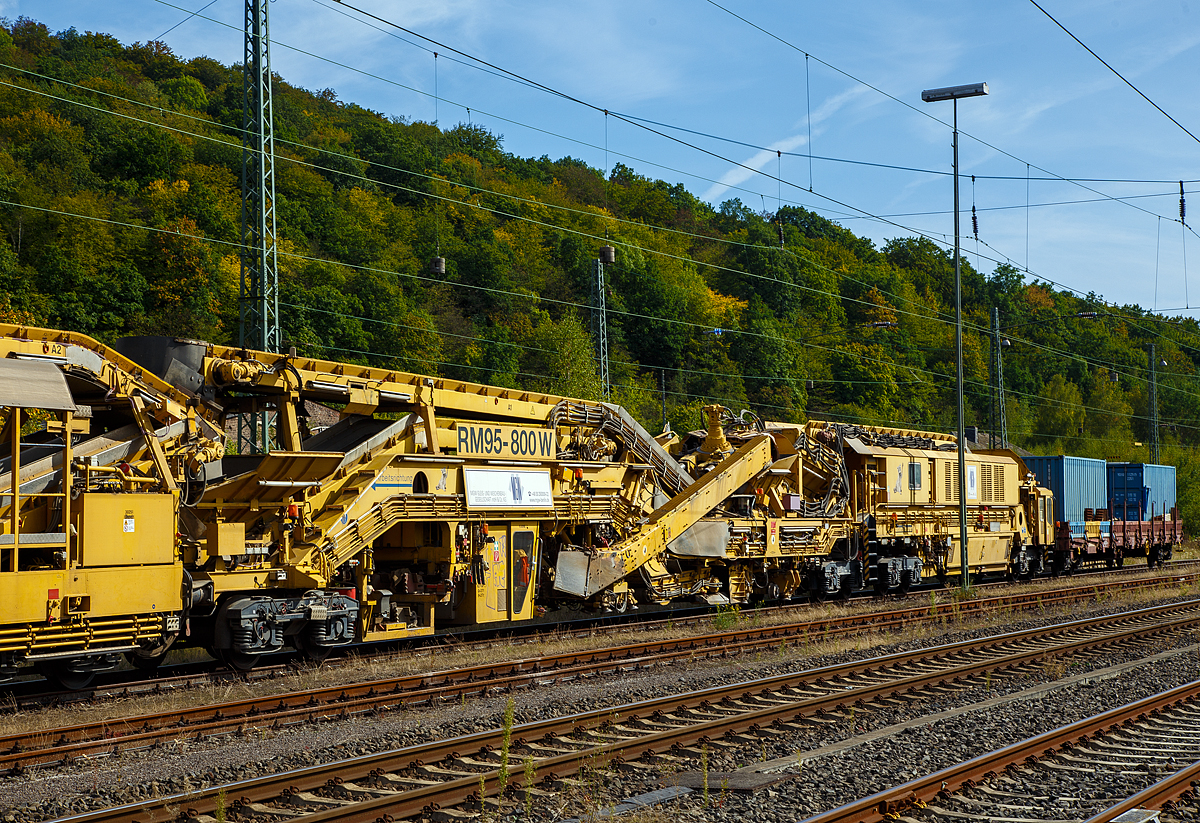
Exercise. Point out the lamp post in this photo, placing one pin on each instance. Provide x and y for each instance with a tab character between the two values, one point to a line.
953	93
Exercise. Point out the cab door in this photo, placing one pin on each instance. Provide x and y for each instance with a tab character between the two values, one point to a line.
522	569
490	570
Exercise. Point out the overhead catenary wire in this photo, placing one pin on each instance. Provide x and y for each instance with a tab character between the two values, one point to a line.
507	293
971	383
503	212
733	141
523	347
752	170
694	147
160	124
184	20
975	384
1016	206
1108	66
729	160
436	195
920	425
493	115
905	103
559	228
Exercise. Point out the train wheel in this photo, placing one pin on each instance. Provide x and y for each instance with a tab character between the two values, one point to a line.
1120	559
1152	557
316	654
146	664
238	661
312	652
67	678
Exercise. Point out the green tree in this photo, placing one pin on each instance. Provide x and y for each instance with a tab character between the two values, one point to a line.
1059	413
561	359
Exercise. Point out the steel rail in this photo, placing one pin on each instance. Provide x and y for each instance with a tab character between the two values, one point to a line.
620	740
27	750
915	793
1184	783
532	633
31	749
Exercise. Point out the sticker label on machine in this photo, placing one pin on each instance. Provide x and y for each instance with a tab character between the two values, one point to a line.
508	489
506	441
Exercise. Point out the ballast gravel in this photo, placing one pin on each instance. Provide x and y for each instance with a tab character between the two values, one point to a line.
815	786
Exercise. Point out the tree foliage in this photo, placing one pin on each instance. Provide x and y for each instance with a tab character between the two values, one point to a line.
119	184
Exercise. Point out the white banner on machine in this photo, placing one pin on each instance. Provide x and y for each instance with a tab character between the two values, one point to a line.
508	489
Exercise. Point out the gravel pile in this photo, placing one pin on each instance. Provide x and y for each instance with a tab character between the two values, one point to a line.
185	766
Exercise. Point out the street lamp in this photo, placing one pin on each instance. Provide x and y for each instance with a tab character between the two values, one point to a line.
953	93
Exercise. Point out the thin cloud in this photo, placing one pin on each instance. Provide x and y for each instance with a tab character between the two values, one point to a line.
740	174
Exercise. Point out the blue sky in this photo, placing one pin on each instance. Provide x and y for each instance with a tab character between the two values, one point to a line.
694	65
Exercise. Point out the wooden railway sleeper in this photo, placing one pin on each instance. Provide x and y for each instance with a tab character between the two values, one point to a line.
1088	758
470	762
802	694
541	750
1180	729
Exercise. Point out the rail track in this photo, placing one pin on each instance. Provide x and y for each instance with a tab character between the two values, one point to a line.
32	694
1179	791
37	748
469	770
1068	773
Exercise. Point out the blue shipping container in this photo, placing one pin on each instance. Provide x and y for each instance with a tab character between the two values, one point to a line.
1139	491
1077	483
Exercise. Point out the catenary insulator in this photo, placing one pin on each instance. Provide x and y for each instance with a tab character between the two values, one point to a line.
608	254
438	266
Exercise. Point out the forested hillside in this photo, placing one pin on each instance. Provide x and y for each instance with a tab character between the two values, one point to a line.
119	198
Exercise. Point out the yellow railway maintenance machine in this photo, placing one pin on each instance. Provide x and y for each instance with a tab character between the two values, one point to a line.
849	507
429	503
904	495
88	562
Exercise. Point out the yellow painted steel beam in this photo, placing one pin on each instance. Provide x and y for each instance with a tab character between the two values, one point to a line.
585	574
53	345
365	388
